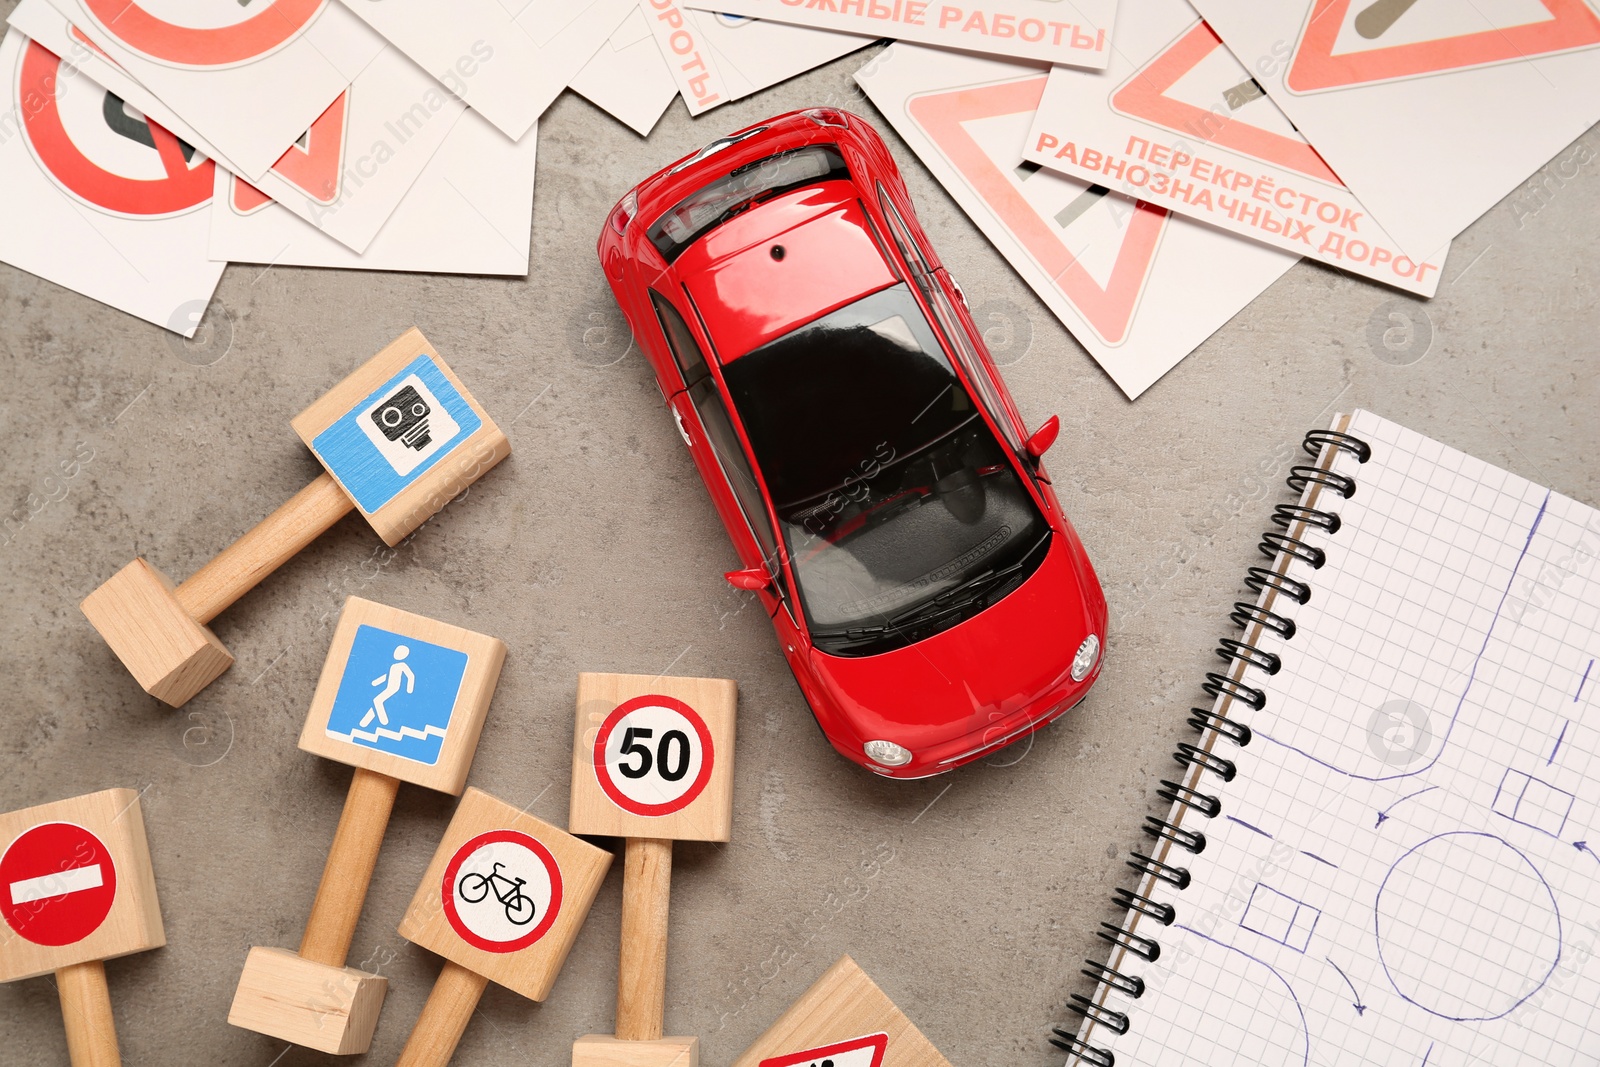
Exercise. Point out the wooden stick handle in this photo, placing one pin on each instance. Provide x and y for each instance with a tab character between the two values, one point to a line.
264	548
642	969
348	872
444	1018
86	1011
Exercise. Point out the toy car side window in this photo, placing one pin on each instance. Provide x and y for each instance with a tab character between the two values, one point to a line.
724	441
921	275
685	352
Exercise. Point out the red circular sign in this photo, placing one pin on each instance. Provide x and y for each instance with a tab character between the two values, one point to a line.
57	884
646	762
501	891
198	46
184	188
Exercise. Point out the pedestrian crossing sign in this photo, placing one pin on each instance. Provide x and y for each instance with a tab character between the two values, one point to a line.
403	695
397	694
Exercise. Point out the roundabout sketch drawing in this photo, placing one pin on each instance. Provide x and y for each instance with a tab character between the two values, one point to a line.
1467	927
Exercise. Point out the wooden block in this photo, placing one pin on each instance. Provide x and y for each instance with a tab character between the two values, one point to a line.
403	695
169	654
505	895
402	435
599	1050
75	884
653	757
330	1009
844	1017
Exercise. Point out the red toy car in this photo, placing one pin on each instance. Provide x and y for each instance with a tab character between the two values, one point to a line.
887	504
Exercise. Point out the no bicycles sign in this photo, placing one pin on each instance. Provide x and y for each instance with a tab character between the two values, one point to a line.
653	755
501	891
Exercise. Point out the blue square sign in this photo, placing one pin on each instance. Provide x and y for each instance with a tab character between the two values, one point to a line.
398	432
397	694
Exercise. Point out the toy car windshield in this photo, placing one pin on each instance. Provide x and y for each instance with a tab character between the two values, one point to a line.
710	206
901	513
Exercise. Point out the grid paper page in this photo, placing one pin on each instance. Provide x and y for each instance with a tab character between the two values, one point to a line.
1406	868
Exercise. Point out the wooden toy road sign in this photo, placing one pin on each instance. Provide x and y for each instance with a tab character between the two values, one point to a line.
400	437
502	901
76	889
402	698
652	762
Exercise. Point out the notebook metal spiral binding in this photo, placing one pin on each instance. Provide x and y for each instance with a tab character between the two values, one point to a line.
1281	545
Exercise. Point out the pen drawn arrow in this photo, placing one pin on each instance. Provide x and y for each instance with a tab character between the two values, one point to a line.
1583	846
1384	814
1361	1009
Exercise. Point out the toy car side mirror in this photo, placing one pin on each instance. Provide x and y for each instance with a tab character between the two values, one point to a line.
754	579
1039	442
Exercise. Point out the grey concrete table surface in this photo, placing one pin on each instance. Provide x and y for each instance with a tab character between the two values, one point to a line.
971	898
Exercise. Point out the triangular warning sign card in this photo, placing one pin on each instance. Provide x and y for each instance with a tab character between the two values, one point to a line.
314	163
1347	43
844	1020
1195	88
864	1051
1107	303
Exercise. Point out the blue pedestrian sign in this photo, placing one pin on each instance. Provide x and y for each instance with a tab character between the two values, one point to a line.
397	433
397	694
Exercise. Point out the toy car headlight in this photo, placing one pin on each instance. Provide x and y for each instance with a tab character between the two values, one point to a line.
1088	655
887	753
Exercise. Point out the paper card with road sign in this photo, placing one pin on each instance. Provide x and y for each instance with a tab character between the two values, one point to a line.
250	78
1138	287
717	57
42	23
469	212
1075	33
507	66
1429	111
1177	121
345	174
100	200
627	78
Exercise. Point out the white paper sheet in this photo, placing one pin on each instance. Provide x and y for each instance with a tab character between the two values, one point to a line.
469	212
98	200
1438	115
508	62
627	78
1177	121
1138	287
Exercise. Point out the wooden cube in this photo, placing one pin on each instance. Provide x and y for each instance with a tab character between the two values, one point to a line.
330	1009
599	1050
403	695
844	1017
170	655
402	436
505	895
653	757
75	884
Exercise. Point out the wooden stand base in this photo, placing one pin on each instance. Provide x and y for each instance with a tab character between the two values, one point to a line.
330	1009
602	1050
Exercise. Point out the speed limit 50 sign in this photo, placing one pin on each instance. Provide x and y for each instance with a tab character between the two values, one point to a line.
653	757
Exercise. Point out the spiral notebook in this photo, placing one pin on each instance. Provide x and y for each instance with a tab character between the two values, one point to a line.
1384	843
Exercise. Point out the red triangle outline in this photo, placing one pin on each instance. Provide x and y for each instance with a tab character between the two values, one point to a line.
1144	97
1108	311
246	199
320	164
878	1042
1314	67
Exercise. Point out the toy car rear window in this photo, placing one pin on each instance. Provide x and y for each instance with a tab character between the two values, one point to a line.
710	206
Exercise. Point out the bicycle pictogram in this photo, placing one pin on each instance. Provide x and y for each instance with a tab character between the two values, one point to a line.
475	887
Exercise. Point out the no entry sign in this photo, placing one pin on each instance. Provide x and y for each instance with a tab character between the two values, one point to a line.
57	884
